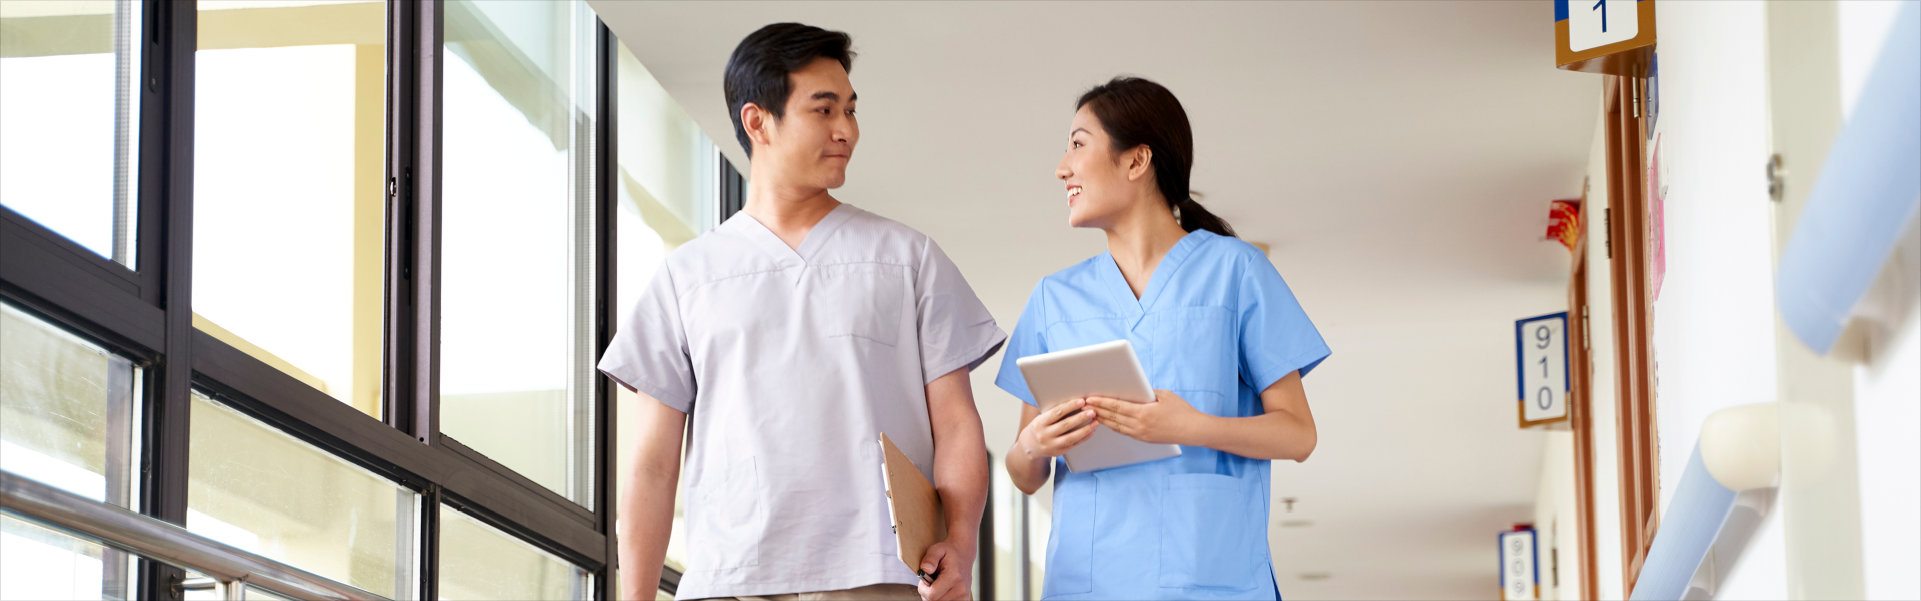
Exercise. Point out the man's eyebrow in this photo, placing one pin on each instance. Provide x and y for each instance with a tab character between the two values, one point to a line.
827	96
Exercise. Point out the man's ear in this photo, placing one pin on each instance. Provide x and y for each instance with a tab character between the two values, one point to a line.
756	122
1140	162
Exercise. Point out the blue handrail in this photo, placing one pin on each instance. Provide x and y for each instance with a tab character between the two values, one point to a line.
1867	194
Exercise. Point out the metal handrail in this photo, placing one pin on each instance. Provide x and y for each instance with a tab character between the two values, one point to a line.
167	543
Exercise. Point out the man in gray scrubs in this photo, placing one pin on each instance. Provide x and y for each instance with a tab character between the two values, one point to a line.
794	335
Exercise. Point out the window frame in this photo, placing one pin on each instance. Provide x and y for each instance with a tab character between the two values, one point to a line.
145	313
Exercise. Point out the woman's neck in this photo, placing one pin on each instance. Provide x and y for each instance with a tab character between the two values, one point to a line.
1140	238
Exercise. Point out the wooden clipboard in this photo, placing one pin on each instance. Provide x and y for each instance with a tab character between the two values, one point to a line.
913	507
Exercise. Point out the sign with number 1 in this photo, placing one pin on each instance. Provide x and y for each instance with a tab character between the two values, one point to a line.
1615	37
1541	354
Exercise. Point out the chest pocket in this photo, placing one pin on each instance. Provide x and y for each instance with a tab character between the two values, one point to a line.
857	300
1196	350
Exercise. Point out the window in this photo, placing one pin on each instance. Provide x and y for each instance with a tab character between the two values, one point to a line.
667	193
259	489
480	562
516	322
70	106
289	188
281	402
66	409
46	564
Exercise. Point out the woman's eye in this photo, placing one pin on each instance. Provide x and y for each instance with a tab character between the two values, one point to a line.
1077	144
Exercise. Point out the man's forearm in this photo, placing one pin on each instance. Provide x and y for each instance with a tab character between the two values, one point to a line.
646	519
960	472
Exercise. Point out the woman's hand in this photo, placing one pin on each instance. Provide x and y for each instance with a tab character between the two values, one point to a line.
1058	429
1167	420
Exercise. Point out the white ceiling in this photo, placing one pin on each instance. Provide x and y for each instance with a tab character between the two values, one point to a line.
1398	157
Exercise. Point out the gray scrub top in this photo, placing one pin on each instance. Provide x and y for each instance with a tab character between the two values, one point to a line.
790	363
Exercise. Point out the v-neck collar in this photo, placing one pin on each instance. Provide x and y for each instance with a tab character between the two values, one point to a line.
1136	308
771	243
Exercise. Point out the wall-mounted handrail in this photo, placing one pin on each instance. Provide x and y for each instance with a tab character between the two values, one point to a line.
1739	450
117	527
1864	200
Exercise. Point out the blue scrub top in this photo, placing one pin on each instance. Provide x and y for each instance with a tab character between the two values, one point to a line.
1215	325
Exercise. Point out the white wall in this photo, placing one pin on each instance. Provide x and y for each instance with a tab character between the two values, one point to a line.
1713	334
1556	521
1712	327
1887	387
1607	472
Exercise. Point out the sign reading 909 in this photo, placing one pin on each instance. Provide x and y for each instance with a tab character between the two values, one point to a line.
1541	360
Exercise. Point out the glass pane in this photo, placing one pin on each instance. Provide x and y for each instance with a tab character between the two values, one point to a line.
668	193
480	562
70	107
43	563
516	347
289	188
259	489
66	410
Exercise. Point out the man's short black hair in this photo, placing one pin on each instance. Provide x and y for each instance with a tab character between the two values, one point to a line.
758	70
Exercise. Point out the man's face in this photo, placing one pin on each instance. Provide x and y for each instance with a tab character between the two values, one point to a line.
812	142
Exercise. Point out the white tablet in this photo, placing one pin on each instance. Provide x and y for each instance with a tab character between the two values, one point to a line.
1108	369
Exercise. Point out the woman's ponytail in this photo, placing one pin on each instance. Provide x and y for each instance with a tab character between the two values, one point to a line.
1194	217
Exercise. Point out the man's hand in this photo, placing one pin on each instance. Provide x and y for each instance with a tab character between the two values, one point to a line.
1167	420
951	564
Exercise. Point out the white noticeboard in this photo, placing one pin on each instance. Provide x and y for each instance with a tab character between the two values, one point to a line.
1596	23
1540	349
1520	577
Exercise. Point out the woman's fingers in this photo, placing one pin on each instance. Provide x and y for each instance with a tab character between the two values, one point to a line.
1075	438
1071	423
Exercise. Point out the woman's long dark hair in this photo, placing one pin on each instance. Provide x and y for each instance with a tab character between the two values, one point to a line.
1136	111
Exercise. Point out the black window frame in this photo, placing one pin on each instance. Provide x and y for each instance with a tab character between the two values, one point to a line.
145	314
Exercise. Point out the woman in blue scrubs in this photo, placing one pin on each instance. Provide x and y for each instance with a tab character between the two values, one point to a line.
1220	335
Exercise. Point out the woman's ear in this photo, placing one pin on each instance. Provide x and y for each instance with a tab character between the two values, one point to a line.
1140	162
755	122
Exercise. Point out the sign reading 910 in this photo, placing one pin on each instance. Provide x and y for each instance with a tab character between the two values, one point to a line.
1541	346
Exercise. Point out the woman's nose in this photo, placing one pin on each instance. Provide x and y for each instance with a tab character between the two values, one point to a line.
1061	172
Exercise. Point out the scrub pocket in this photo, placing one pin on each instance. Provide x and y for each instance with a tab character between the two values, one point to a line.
861	300
733	539
1070	542
1209	530
1195	351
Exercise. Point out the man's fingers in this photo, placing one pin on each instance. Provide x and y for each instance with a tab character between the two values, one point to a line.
1062	427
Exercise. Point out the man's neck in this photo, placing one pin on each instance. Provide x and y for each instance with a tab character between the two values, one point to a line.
788	211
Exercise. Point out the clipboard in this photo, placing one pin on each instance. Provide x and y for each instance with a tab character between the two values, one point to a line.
913	507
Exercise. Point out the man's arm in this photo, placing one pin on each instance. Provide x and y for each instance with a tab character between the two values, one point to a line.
960	476
647	498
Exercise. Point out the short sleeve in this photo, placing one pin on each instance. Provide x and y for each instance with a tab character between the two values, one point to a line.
956	331
649	352
1026	342
1276	336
